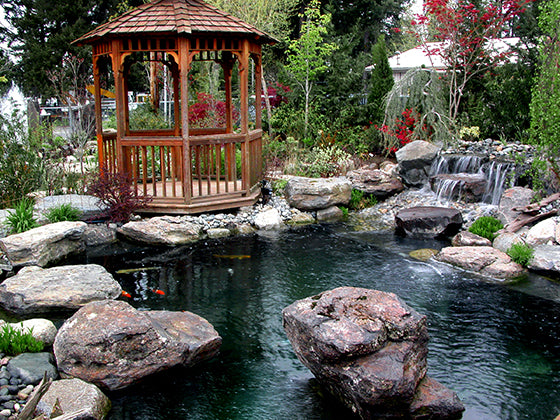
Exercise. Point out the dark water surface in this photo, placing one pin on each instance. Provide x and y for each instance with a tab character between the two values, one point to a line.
497	346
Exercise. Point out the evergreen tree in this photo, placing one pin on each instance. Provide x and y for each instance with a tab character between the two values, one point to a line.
381	81
41	34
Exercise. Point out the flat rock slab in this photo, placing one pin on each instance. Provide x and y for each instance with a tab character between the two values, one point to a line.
367	347
483	260
309	194
74	395
30	367
165	230
35	290
516	197
90	207
113	345
375	182
428	222
44	245
469	188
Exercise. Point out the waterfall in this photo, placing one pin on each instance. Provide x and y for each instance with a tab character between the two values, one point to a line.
470	178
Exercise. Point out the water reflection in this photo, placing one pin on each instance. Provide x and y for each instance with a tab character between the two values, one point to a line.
497	346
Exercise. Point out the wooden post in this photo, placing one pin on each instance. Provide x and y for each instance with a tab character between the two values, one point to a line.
98	116
119	102
258	91
176	101
154	88
227	66
184	66
244	109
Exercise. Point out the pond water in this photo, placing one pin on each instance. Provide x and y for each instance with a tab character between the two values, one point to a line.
497	346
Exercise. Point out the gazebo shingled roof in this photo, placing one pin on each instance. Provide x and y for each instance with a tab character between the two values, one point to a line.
174	16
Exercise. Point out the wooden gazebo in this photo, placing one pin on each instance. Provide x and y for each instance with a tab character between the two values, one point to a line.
185	169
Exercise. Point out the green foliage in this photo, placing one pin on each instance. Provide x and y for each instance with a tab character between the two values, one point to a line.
344	211
545	104
14	341
521	253
486	226
21	219
21	166
329	161
360	200
381	81
307	55
141	118
62	213
279	185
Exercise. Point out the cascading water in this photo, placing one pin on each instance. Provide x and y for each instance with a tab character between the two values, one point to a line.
470	178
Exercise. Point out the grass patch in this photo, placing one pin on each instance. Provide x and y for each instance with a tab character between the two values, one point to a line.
64	213
14	341
522	254
21	219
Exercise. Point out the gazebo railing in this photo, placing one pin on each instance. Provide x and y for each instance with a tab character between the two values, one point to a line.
221	165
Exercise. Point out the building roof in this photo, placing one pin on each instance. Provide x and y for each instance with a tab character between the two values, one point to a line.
418	57
168	17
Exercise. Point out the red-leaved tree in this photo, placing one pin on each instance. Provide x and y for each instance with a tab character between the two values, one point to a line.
468	38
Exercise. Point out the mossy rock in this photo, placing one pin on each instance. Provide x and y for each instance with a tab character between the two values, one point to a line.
423	254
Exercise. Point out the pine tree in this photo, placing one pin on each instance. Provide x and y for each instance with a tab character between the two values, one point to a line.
381	81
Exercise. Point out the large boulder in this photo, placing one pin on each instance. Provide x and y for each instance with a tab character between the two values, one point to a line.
165	230
543	232
469	188
35	290
505	240
318	193
44	245
72	396
415	160
428	222
366	347
483	260
375	182
546	258
516	197
113	345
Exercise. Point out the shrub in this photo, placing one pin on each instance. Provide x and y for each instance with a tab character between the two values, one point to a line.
486	226
521	253
21	219
62	213
279	185
14	341
329	161
117	193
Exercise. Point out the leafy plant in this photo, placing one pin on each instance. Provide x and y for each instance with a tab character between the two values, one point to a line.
14	341
521	253
486	226
279	185
62	213
21	219
117	193
359	200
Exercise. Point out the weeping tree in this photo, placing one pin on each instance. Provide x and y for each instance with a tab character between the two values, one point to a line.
416	109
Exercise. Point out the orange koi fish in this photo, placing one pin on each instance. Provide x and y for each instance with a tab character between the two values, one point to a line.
125	294
158	292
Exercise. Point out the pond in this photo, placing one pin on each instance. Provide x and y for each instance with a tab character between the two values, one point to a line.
497	346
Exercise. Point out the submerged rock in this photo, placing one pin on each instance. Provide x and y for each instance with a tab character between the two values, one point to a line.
435	401
37	290
44	245
428	222
317	193
113	345
366	347
483	260
72	395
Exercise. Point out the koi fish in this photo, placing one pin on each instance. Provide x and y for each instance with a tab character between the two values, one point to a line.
158	292
233	257
125	294
135	270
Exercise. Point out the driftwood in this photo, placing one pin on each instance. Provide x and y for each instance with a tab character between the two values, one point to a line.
29	409
530	213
